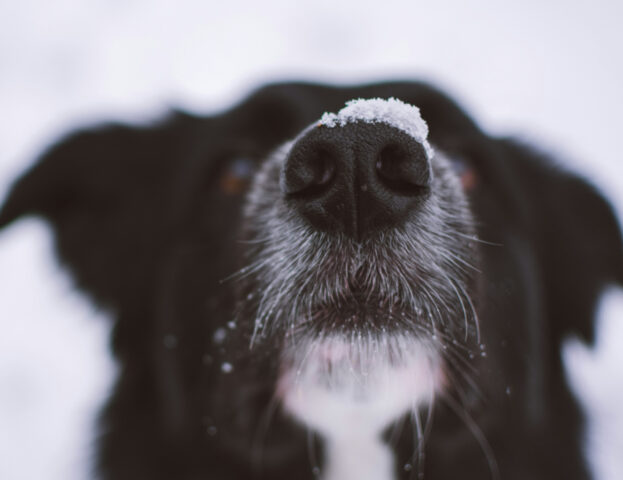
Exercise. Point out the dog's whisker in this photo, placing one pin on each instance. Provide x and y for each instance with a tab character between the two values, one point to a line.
259	438
474	313
397	430
457	363
311	452
473	238
418	457
476	432
459	297
247	270
256	241
458	262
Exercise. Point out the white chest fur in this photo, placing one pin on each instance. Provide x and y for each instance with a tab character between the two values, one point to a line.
350	390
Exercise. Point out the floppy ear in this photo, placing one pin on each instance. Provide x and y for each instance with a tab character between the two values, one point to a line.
104	192
581	249
119	198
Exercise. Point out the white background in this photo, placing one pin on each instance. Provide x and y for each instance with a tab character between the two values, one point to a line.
548	71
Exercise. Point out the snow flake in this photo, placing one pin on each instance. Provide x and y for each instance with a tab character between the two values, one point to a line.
392	112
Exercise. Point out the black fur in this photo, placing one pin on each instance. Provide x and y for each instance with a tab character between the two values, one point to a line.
150	223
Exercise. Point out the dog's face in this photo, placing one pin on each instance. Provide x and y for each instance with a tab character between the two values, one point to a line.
361	259
280	268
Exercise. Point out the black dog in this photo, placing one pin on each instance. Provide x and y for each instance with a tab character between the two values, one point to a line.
341	296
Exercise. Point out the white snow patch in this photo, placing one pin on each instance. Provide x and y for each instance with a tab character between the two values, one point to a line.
392	111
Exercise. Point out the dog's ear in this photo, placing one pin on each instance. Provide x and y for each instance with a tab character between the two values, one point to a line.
580	242
105	192
119	197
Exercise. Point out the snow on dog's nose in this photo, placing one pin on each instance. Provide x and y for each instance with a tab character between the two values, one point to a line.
361	170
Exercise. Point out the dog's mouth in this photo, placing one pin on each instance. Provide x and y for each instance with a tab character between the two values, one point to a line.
359	311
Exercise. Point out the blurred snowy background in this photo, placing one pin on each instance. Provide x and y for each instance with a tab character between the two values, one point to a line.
548	71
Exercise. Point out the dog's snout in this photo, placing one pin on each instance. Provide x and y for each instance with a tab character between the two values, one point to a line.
358	178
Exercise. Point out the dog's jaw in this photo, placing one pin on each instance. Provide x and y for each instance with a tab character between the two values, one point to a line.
349	390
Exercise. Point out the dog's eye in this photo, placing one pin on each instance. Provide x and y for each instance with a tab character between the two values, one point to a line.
237	175
465	171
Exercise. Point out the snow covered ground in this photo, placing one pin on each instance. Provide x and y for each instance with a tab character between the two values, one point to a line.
549	71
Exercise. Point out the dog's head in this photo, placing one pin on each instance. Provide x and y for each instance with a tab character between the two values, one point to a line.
372	244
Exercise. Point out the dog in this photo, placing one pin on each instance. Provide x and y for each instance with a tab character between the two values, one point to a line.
330	282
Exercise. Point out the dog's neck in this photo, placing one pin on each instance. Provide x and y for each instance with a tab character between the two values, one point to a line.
351	391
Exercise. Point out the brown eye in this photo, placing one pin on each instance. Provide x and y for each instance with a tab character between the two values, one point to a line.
237	176
465	171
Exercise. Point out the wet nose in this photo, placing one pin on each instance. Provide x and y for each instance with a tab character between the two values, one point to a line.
359	178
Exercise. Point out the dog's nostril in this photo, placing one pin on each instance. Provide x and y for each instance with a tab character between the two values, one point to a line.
357	178
403	170
308	171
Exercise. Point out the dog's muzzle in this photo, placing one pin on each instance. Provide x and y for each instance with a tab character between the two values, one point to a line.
357	225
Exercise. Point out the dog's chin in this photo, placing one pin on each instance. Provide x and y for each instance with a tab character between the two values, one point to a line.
358	376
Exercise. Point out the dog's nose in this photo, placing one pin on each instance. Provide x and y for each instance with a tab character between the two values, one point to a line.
358	178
